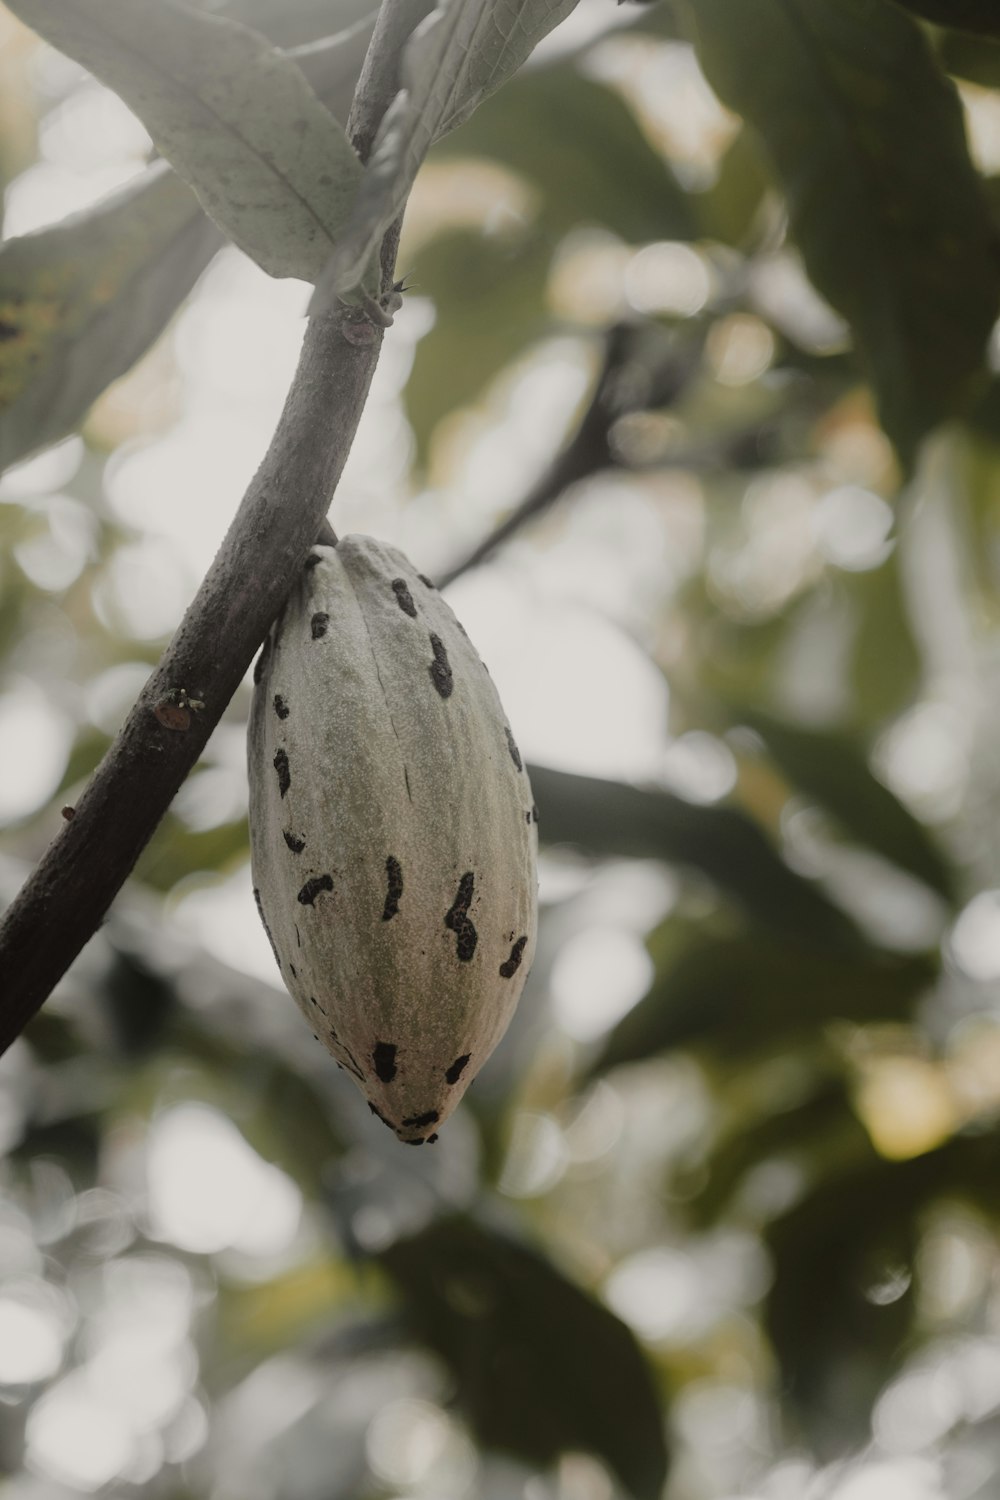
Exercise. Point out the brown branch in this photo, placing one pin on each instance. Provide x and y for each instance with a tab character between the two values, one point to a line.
67	896
626	382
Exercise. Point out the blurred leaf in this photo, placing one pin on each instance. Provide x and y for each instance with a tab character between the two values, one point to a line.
834	771
458	54
74	1141
841	1305
747	993
727	210
886	665
970	58
978	16
597	167
607	817
301	1132
176	851
255	1321
237	119
540	1367
84	758
79	303
867	138
139	1001
490	301
814	1133
836	1333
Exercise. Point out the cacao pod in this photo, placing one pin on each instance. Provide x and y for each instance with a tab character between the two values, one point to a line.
393	834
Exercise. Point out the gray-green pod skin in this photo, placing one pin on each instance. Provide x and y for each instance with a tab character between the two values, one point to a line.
393	833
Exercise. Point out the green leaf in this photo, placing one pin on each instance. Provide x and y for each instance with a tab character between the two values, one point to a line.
236	118
458	55
82	301
139	1002
970	58
539	1366
978	16
489	295
606	817
886	664
836	1336
737	995
837	1254
834	771
728	209
817	1131
175	851
79	303
597	167
866	137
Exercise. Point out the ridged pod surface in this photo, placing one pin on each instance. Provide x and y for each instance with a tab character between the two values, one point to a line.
393	833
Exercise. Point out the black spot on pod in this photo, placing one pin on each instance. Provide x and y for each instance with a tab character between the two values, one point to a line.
417	1141
430	1118
458	1067
425	580
313	888
261	662
284	774
404	598
508	969
295	844
394	871
459	921
318	624
432	1138
440	668
515	753
291	968
312	560
384	1058
281	707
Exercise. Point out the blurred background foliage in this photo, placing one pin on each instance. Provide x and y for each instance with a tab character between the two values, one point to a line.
707	308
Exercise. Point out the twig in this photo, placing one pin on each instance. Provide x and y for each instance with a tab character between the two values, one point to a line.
65	899
379	81
624	384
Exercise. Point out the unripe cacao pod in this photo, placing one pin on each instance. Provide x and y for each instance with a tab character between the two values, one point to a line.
393	834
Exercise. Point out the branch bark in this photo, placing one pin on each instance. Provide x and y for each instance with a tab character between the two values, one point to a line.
67	896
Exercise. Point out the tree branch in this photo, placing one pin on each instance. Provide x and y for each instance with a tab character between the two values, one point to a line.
379	82
65	899
626	382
